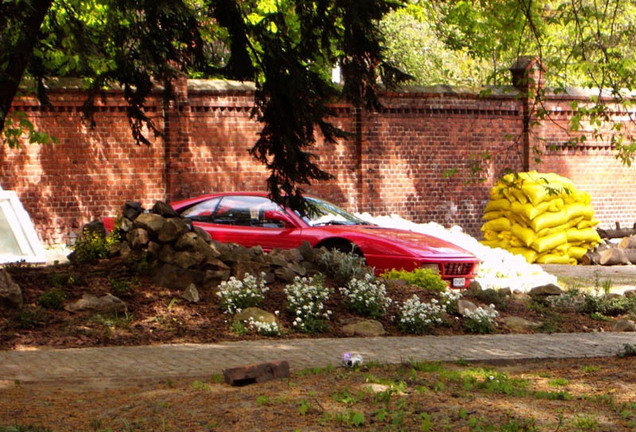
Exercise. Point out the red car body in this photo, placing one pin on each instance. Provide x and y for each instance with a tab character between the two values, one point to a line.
273	227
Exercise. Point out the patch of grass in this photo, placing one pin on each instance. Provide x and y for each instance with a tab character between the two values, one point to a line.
586	422
559	382
560	395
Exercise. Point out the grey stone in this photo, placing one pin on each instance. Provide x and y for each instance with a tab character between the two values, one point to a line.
153	223
624	325
286	274
187	260
464	305
173	277
166	254
163	209
520	324
546	290
172	229
10	292
308	252
132	209
105	304
364	328
205	236
256	373
257	314
191	294
138	238
239	269
125	225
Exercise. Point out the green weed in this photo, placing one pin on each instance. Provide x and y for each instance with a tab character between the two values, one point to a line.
52	299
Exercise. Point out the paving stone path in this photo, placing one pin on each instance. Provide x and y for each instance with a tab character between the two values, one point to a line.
117	365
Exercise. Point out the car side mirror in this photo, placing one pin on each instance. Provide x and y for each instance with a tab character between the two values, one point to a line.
278	217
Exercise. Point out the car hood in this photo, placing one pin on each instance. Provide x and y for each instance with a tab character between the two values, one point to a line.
417	244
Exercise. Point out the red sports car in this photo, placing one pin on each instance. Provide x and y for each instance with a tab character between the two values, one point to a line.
252	219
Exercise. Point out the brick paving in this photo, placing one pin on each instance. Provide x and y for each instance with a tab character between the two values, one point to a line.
122	364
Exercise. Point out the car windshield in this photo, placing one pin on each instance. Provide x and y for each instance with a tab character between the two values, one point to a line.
324	213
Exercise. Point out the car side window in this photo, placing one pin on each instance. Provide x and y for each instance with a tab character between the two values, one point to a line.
247	211
203	211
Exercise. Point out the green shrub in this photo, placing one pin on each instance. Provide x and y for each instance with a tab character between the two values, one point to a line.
52	299
92	246
344	266
499	298
608	306
424	278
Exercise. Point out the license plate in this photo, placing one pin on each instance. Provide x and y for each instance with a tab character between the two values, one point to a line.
459	282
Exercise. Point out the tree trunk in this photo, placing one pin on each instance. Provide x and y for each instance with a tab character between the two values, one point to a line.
617	233
16	48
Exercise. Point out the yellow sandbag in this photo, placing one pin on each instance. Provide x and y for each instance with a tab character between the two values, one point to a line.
576	252
504	235
499	224
549	220
556	204
577	209
583	235
515	218
515	242
587	223
548	231
529	211
493	215
497	204
550	242
536	193
584	198
490	235
495	243
555	259
526	235
529	254
496	192
518	194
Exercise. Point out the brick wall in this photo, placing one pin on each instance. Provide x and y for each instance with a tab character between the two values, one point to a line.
396	163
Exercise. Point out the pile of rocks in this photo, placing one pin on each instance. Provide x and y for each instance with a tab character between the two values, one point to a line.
183	256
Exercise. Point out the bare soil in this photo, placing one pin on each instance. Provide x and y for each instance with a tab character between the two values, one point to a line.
564	395
158	315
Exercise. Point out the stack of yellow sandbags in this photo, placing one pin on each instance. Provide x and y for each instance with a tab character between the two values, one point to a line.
540	216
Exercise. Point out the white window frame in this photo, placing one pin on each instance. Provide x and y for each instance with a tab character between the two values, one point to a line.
20	223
